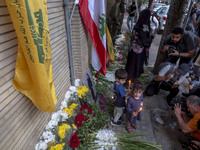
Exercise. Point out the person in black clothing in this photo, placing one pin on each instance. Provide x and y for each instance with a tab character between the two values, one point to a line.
139	45
131	10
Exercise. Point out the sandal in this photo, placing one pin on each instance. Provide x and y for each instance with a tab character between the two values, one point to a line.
134	126
129	130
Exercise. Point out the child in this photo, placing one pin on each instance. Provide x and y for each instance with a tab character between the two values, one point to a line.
134	105
120	93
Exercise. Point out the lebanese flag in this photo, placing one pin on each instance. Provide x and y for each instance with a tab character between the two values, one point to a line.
93	15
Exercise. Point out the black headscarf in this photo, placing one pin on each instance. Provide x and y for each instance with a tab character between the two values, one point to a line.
142	28
144	18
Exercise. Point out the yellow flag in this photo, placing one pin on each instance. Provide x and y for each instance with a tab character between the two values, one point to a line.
110	45
33	73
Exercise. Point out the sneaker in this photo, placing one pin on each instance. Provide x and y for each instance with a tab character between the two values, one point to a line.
118	123
120	119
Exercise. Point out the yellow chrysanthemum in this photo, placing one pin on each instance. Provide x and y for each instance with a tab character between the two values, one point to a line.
61	132
69	111
73	106
67	127
85	89
82	90
57	147
80	94
73	125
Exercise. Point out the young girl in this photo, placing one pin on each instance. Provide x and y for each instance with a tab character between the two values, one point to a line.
134	106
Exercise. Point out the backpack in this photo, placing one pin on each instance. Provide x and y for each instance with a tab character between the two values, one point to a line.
162	65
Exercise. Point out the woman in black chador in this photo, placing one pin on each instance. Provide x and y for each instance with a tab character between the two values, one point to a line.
140	43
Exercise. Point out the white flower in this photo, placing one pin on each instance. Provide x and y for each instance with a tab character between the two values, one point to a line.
110	76
56	116
64	116
63	104
41	146
77	82
68	94
73	89
106	137
52	124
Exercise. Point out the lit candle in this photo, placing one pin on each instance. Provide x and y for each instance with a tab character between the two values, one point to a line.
129	85
139	110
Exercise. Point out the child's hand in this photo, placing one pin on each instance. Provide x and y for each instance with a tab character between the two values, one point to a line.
125	101
134	114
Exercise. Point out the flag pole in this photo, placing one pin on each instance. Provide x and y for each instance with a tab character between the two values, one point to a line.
75	3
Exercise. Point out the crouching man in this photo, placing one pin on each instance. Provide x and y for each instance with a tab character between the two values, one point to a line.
190	125
168	78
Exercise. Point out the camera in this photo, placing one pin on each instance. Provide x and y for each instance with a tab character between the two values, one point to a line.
188	144
171	49
181	101
173	80
191	78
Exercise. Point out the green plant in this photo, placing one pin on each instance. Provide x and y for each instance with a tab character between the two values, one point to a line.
127	142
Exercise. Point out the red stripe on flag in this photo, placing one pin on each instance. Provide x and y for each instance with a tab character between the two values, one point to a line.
94	34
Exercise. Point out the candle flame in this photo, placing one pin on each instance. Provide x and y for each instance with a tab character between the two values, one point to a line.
140	108
129	81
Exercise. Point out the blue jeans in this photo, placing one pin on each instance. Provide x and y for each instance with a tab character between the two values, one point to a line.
130	18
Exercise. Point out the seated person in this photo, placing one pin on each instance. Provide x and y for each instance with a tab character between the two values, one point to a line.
187	124
168	78
180	44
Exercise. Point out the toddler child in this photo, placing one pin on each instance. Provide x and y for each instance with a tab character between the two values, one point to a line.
120	93
134	106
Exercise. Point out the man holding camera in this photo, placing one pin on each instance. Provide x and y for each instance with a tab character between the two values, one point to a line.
168	78
180	44
190	125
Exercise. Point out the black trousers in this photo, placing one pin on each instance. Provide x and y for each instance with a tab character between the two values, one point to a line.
172	92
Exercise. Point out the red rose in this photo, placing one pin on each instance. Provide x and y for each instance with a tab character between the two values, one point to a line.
85	139
74	141
107	127
118	59
120	52
90	131
79	119
86	119
83	107
94	115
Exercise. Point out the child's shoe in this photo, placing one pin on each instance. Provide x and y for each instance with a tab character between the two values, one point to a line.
118	123
120	119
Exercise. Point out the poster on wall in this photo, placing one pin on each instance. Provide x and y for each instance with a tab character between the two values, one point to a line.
89	82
